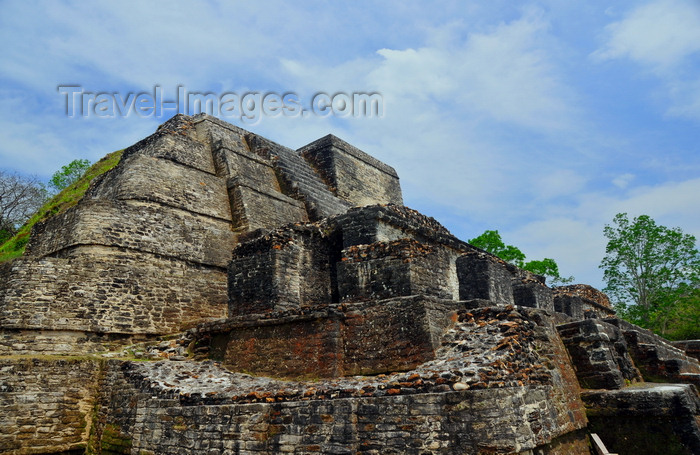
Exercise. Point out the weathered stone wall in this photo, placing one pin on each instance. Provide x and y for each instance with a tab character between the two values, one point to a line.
581	301
284	269
599	354
483	276
339	340
143	178
646	420
399	268
176	140
46	404
27	342
147	417
258	208
351	174
387	223
100	289
138	226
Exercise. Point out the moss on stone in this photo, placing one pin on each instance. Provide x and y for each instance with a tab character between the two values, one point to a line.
114	442
61	202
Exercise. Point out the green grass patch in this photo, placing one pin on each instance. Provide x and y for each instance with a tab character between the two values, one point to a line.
14	247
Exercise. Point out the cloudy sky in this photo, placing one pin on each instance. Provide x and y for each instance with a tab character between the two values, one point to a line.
541	119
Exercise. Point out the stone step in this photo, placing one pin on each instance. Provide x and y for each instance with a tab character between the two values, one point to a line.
656	357
295	169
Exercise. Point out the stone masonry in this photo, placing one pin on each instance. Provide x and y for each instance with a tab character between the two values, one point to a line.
218	293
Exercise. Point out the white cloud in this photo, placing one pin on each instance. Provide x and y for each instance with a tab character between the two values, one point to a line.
623	180
660	33
573	235
504	73
663	36
451	104
557	183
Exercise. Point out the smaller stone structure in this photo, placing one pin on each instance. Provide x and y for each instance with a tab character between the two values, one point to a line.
581	301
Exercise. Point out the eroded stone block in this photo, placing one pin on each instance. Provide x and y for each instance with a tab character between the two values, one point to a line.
533	294
256	207
352	174
599	353
483	276
399	268
139	226
144	178
581	301
284	269
177	145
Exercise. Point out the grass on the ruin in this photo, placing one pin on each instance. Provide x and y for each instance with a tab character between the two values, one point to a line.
59	203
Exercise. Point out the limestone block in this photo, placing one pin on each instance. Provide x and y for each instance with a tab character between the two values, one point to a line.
483	276
178	148
599	353
287	268
352	174
399	268
581	301
396	334
105	290
139	226
245	164
533	294
150	179
216	133
569	305
379	223
258	207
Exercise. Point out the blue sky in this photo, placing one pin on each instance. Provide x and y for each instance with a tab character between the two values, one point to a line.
541	119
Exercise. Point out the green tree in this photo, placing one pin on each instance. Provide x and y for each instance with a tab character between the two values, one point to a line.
69	174
492	242
651	272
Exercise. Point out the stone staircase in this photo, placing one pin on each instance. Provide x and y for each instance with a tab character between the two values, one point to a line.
300	176
656	358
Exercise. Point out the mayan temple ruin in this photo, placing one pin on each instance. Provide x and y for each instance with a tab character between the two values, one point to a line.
218	293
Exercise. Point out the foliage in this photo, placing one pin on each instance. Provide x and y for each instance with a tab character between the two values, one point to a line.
59	203
491	241
652	274
69	174
20	197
